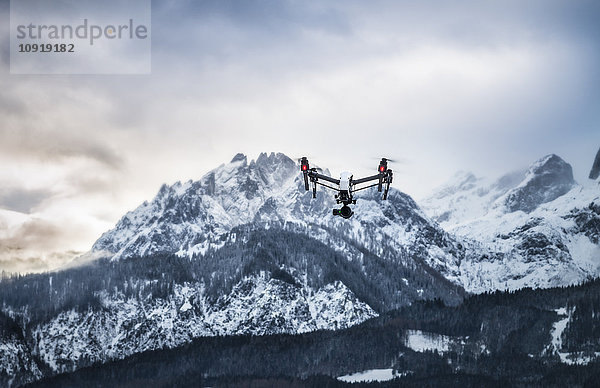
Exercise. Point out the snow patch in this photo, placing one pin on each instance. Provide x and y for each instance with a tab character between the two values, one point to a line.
369	375
570	358
186	306
420	341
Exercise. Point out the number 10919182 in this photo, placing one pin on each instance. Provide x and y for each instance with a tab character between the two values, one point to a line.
46	48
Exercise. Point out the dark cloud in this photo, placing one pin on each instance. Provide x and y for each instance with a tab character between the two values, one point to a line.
54	144
22	200
33	234
32	248
270	34
280	17
80	148
84	182
234	30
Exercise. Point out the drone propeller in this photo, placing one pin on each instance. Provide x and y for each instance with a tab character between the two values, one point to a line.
298	159
390	160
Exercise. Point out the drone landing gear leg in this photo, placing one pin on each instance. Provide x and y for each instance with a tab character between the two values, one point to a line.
387	184
314	189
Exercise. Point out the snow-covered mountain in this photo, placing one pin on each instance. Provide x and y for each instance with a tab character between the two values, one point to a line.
191	218
124	326
244	250
197	217
17	364
534	229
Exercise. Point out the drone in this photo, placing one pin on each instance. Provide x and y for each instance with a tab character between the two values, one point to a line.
346	185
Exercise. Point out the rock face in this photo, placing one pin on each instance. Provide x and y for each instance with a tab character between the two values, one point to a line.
546	180
258	305
595	172
17	365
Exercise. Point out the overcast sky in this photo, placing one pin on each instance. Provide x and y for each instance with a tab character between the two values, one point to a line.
440	86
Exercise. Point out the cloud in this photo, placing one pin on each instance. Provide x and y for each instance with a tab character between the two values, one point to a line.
22	200
34	233
488	86
30	247
18	262
29	243
51	125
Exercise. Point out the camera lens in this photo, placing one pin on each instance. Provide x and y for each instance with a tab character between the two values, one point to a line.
346	212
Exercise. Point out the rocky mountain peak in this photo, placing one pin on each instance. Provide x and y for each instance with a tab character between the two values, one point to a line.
184	217
197	217
551	164
547	179
273	158
274	167
595	172
239	158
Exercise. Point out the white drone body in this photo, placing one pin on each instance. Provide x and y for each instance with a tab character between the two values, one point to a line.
345	179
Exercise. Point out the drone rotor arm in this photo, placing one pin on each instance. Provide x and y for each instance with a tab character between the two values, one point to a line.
329	187
316	175
367	179
366	187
